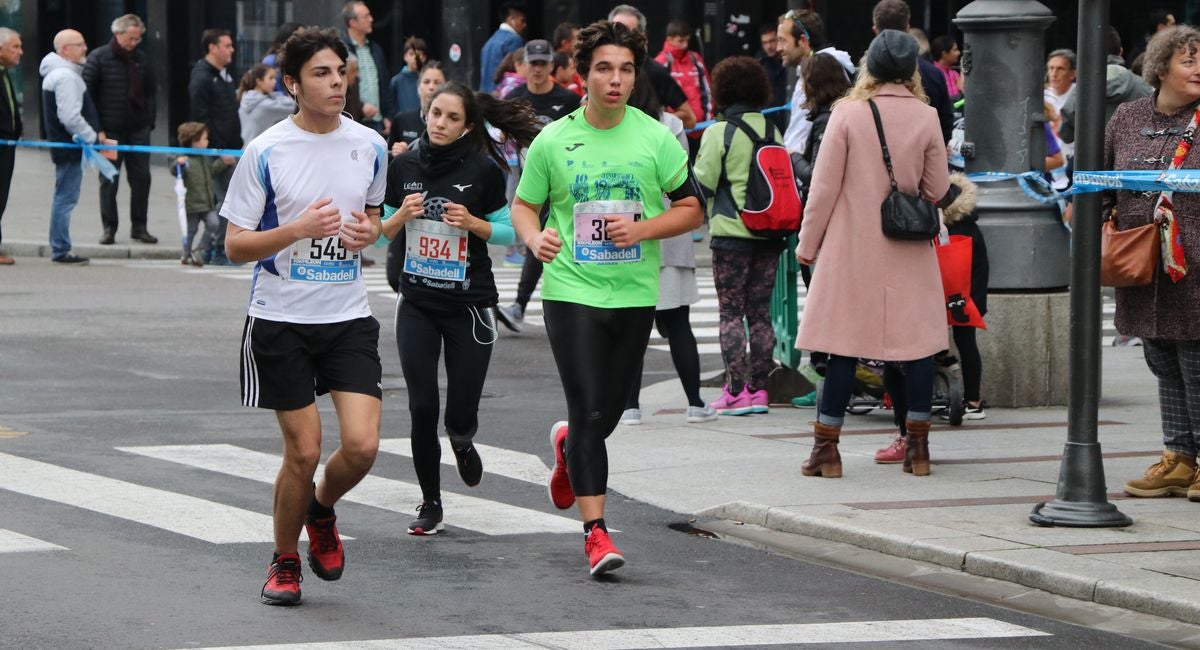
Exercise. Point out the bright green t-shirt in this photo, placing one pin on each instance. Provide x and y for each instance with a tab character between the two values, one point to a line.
620	170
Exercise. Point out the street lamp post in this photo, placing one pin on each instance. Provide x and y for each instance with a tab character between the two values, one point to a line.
1081	499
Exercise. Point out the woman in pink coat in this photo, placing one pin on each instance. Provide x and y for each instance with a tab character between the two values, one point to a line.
873	297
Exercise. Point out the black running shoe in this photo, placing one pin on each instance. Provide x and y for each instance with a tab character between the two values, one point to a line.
429	519
470	467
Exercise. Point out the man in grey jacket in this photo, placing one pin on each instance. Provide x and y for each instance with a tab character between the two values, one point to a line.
68	115
1120	86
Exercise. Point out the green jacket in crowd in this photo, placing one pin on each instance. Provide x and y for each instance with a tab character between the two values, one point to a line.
737	169
198	179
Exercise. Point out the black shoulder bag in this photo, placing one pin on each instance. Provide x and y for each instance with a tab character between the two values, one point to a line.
905	216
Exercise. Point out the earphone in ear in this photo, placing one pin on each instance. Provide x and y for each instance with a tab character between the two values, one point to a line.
294	90
464	134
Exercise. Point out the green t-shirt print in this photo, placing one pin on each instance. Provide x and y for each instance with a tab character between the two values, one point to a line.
571	162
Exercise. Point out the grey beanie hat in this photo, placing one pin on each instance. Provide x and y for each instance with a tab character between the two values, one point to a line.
892	56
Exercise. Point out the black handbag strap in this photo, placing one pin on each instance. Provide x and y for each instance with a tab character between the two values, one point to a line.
887	156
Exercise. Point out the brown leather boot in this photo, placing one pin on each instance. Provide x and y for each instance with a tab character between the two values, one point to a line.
825	460
916	456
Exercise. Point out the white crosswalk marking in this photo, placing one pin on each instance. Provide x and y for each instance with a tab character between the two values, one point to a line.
699	637
11	542
462	511
702	313
502	462
178	513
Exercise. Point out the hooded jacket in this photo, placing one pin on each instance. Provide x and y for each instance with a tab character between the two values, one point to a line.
688	70
67	109
961	219
1120	86
259	112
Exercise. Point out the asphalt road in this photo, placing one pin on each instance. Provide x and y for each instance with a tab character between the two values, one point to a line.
120	384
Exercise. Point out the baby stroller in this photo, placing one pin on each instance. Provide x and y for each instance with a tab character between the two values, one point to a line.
869	393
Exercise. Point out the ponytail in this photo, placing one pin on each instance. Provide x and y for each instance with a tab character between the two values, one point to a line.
515	119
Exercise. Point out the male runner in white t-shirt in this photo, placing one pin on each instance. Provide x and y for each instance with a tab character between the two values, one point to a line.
303	202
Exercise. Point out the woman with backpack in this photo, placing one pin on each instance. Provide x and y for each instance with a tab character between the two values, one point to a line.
877	297
743	265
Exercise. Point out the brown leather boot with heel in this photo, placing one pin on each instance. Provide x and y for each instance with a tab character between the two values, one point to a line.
916	456
825	460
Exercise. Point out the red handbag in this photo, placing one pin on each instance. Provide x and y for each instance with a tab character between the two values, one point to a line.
954	262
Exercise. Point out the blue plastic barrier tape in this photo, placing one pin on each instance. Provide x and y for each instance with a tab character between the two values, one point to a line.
1044	194
93	160
700	126
1178	180
127	148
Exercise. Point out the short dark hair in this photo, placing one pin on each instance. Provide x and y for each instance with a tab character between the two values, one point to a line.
509	8
281	35
679	27
305	43
1156	18
561	60
767	28
740	80
213	36
891	14
1112	41
603	32
824	81
939	46
565	31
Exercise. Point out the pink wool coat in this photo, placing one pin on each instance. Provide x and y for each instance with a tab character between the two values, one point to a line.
873	297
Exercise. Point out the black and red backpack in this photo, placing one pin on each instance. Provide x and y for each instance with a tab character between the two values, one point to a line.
772	207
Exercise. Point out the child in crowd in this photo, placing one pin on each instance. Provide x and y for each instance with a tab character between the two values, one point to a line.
197	172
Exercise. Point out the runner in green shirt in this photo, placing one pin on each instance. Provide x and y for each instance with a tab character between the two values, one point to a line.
604	169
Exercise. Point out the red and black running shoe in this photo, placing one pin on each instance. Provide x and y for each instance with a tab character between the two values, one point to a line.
283	581
603	555
561	494
325	553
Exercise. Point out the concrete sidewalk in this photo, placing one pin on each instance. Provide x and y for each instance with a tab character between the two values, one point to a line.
971	514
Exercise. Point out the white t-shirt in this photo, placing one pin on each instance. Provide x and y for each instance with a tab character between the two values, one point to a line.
280	174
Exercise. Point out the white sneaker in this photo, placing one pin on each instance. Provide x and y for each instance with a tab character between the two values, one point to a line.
631	417
697	414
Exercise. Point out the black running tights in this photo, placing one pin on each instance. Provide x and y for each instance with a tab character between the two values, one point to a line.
599	354
468	336
675	325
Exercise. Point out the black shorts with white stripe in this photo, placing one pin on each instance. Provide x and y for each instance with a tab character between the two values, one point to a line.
286	365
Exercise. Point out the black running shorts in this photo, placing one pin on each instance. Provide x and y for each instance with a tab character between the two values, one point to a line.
286	365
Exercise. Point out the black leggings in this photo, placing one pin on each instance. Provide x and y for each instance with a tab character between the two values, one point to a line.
599	354
676	326
468	335
972	363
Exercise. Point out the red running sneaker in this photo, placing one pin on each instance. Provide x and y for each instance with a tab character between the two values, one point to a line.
561	494
893	453
325	553
603	556
283	581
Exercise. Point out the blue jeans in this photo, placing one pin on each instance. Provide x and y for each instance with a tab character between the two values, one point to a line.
911	390
67	179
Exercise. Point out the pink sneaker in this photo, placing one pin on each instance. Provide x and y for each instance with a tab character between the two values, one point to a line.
893	453
729	404
759	402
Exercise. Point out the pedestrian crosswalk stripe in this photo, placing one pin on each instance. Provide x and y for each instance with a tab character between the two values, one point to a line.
462	511
11	542
178	513
944	629
502	462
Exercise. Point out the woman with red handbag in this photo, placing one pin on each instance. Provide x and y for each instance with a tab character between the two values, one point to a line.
1157	133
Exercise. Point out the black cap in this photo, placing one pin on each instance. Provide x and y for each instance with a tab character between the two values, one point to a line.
538	50
892	56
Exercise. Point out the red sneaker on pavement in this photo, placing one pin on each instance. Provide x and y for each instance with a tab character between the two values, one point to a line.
561	494
603	556
283	581
893	453
325	553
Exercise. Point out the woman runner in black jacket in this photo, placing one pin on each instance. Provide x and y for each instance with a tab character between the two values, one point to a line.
444	203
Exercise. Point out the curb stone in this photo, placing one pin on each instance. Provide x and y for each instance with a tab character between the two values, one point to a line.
1083	578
